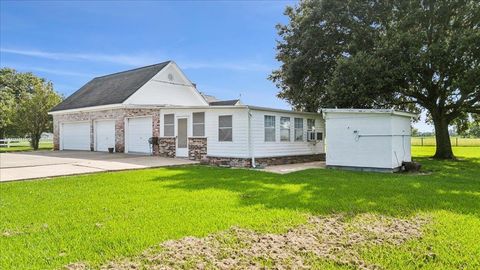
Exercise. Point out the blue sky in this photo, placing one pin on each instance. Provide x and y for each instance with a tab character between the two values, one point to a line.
227	48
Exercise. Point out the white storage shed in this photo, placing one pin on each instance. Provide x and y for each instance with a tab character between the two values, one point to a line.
363	139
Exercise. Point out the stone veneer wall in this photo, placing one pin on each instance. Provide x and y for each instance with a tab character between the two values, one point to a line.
168	147
247	162
115	114
197	148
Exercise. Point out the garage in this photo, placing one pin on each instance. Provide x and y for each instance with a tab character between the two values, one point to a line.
75	136
138	131
104	135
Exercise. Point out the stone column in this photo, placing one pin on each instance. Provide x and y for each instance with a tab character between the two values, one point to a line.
197	148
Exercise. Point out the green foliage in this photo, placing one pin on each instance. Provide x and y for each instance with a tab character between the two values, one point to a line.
411	55
95	218
32	114
24	103
7	109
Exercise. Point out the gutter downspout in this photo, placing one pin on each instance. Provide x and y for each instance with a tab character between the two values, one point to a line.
250	144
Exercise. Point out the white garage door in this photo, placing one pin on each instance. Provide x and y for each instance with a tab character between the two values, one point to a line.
104	135
75	136
139	130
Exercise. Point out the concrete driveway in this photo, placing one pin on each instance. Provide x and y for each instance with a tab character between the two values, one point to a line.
29	165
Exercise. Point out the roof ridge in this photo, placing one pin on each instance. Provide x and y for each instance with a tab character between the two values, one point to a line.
116	73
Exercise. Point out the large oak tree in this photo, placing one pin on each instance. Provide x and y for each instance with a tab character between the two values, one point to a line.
411	55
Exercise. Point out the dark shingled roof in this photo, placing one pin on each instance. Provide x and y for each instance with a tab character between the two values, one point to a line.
110	89
224	102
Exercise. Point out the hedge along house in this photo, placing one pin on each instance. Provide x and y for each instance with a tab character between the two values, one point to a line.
157	110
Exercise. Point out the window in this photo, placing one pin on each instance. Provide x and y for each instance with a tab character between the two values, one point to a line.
199	124
319	136
225	128
269	123
298	129
310	124
284	129
169	125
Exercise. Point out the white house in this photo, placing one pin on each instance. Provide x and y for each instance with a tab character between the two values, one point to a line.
367	139
157	110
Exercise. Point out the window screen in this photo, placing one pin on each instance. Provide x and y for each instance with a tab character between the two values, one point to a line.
284	129
310	124
269	123
199	124
225	128
298	129
169	125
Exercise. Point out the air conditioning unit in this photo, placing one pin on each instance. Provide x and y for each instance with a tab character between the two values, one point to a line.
314	136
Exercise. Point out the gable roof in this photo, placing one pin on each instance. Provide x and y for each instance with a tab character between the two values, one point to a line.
110	89
224	102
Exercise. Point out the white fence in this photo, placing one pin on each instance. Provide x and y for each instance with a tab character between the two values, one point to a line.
7	142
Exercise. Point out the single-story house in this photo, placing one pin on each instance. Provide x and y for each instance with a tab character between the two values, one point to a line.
157	110
125	110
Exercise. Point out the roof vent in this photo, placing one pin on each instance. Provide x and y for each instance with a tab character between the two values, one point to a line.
170	76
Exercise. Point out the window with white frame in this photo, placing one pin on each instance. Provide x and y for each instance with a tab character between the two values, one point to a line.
269	123
298	129
199	124
225	130
284	129
310	124
169	125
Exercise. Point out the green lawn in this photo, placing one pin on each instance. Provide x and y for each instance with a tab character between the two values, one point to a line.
25	146
96	218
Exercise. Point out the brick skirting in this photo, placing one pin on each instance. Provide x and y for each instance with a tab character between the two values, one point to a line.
266	161
197	148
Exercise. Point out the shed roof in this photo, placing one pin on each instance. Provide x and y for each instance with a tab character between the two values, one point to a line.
224	102
110	89
371	111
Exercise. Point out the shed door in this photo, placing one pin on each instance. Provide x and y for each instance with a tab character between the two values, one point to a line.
105	135
75	136
139	130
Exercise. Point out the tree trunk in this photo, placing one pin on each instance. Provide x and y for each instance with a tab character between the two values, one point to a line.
442	138
34	141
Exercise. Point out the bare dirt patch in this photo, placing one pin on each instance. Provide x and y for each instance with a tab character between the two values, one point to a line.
332	238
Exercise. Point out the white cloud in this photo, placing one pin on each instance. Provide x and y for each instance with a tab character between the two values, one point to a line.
142	59
46	70
130	60
240	66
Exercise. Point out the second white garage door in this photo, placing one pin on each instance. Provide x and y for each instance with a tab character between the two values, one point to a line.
139	130
104	135
75	136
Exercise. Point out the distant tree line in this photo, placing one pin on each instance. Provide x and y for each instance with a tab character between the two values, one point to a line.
25	101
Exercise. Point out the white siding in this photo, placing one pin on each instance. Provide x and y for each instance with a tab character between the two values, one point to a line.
160	90
367	140
238	147
282	148
401	128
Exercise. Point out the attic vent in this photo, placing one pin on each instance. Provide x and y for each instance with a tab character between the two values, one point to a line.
170	76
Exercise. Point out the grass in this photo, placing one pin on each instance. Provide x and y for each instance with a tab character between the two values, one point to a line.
455	141
95	218
25	146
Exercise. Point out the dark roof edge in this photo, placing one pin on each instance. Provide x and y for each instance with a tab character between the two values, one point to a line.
133	69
